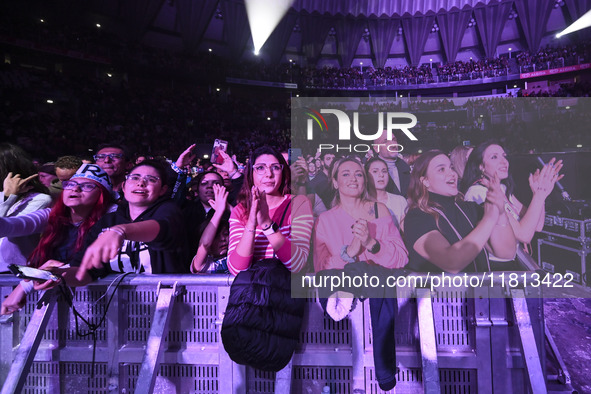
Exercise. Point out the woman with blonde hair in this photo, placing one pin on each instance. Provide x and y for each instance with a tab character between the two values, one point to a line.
459	156
357	228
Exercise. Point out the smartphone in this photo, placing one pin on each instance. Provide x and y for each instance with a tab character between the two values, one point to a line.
24	272
293	154
218	145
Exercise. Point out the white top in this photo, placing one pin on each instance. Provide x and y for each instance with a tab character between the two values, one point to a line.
397	206
477	193
16	249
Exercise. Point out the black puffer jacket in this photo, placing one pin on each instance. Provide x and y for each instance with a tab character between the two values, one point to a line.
262	322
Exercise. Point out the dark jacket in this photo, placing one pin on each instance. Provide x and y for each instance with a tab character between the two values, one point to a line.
166	254
404	177
262	322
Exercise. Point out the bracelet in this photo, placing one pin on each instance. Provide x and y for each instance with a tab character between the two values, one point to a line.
27	285
232	174
249	230
177	169
345	256
116	230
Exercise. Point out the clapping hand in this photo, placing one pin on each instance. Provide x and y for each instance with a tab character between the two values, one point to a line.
542	181
361	232
263	211
495	198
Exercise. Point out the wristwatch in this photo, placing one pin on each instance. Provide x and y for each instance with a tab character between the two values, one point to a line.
375	248
271	229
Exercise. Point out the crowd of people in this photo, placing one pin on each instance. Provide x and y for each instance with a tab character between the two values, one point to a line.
94	42
473	69
553	57
144	203
113	214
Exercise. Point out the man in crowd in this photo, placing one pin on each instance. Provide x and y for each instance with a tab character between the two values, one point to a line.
399	171
116	161
66	166
320	185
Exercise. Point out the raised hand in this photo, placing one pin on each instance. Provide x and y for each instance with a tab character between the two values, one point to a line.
228	165
186	157
220	198
299	170
542	181
16	185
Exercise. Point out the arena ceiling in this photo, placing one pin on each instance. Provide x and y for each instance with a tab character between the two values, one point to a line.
378	29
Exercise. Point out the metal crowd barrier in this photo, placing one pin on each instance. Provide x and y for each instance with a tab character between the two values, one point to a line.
161	335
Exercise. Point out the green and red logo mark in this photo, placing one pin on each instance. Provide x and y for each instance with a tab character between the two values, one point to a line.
317	117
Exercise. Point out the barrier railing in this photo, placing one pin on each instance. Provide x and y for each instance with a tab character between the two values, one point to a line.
162	335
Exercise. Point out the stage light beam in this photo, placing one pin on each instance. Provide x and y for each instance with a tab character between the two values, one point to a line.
263	18
581	23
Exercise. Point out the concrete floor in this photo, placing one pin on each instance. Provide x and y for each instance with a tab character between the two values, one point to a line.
569	322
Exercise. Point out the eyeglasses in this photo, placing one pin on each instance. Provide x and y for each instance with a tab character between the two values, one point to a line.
147	178
112	156
85	187
261	169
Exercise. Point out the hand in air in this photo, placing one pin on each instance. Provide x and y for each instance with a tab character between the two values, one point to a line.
542	181
220	198
14	184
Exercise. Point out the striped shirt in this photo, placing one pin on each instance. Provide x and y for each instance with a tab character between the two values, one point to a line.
296	228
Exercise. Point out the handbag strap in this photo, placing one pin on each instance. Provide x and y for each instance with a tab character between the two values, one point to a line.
284	213
458	233
281	222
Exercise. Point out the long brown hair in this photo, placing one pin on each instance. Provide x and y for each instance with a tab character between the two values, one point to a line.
245	194
418	195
